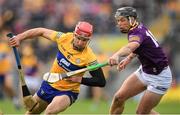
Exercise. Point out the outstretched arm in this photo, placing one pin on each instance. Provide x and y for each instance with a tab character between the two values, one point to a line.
30	34
124	51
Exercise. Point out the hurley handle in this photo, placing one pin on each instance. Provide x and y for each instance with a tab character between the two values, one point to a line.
11	35
93	67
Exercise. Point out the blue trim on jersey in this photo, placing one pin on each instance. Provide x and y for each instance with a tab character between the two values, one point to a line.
47	93
66	64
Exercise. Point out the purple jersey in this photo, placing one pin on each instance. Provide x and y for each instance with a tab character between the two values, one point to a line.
149	52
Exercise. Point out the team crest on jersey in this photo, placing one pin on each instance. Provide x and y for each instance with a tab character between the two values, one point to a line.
78	61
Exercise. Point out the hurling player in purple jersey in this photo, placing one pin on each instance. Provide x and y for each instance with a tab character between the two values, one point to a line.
153	76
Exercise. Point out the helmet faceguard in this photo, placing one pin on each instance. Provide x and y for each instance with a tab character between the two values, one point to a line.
84	29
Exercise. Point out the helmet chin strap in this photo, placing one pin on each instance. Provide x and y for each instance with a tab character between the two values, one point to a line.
130	22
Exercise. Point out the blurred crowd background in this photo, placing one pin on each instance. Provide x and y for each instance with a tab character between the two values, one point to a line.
162	17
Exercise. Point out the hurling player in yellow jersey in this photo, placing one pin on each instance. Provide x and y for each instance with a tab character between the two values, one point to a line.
73	54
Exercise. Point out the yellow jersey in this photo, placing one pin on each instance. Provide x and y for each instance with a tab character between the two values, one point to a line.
68	59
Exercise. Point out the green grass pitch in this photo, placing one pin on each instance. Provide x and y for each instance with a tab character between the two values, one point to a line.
87	107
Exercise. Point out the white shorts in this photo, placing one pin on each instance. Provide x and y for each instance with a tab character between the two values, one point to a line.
155	83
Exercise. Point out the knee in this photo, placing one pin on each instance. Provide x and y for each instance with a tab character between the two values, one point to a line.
120	98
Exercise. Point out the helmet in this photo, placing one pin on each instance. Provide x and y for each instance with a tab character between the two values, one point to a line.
84	29
127	12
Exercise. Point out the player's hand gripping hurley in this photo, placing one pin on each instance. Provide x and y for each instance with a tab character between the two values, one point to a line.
54	77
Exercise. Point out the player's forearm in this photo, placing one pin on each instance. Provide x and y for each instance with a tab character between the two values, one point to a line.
123	52
30	34
97	79
131	56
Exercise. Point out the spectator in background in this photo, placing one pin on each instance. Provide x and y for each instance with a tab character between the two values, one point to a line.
5	69
30	66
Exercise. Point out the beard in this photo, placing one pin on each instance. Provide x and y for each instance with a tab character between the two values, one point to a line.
80	49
